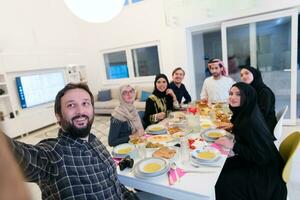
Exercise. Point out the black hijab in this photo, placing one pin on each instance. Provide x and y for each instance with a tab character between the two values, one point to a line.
266	98
248	117
158	93
257	82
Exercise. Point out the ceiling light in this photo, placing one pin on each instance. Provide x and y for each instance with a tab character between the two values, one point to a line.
95	11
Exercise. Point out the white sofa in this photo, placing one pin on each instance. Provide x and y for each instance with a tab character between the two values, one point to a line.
106	107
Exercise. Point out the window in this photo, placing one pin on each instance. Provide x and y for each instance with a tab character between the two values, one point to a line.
145	61
135	1
116	65
127	2
132	62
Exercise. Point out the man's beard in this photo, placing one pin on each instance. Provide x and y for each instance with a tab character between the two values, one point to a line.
72	130
216	75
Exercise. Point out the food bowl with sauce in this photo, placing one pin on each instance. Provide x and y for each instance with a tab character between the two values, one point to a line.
122	150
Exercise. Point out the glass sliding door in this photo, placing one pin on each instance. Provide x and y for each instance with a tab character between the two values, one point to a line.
268	43
207	44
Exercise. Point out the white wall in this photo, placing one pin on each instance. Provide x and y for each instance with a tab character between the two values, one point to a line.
44	33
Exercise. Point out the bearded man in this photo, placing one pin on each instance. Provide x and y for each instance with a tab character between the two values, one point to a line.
75	165
216	87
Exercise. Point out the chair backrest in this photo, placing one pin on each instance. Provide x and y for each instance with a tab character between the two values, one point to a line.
287	150
281	112
278	128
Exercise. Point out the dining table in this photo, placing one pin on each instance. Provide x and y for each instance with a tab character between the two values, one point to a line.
198	181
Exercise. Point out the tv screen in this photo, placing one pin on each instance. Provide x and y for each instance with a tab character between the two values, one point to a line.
39	88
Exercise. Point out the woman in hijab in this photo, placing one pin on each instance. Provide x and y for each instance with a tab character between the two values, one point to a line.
125	120
162	100
254	172
265	96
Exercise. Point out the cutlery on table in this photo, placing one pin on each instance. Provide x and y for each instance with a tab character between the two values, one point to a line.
174	167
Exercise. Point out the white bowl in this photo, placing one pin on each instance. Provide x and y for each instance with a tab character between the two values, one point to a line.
122	150
159	167
216	154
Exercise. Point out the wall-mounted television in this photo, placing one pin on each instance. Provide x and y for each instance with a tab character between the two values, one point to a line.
39	88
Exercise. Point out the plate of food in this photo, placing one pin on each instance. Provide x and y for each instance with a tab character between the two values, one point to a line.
150	167
174	129
178	115
165	152
137	140
178	135
160	139
207	124
122	150
153	146
156	129
206	154
211	135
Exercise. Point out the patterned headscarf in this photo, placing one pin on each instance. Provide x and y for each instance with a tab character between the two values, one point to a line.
127	112
221	65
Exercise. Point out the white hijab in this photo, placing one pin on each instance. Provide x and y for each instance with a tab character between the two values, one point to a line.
127	112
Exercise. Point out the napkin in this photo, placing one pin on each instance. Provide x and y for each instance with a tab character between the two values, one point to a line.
117	160
220	148
172	176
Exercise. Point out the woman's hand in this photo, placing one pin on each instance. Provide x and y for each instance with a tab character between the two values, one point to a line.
171	93
160	116
137	134
225	125
225	142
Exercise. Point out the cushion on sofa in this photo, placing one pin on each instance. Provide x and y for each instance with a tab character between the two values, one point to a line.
140	88
104	95
140	105
107	104
145	95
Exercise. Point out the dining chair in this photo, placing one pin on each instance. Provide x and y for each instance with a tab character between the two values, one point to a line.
281	112
288	149
278	128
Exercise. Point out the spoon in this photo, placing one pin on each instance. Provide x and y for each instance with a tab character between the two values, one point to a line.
173	166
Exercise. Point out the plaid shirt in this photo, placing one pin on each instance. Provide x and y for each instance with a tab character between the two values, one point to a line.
70	168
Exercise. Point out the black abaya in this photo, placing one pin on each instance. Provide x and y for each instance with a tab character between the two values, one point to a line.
254	173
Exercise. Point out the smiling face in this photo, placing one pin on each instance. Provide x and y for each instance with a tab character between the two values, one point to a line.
128	95
77	112
178	76
246	76
161	84
234	97
215	70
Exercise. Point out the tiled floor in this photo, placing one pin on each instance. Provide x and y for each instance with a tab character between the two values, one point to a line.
101	127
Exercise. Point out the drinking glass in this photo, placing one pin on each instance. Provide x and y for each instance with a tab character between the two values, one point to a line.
142	150
184	150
